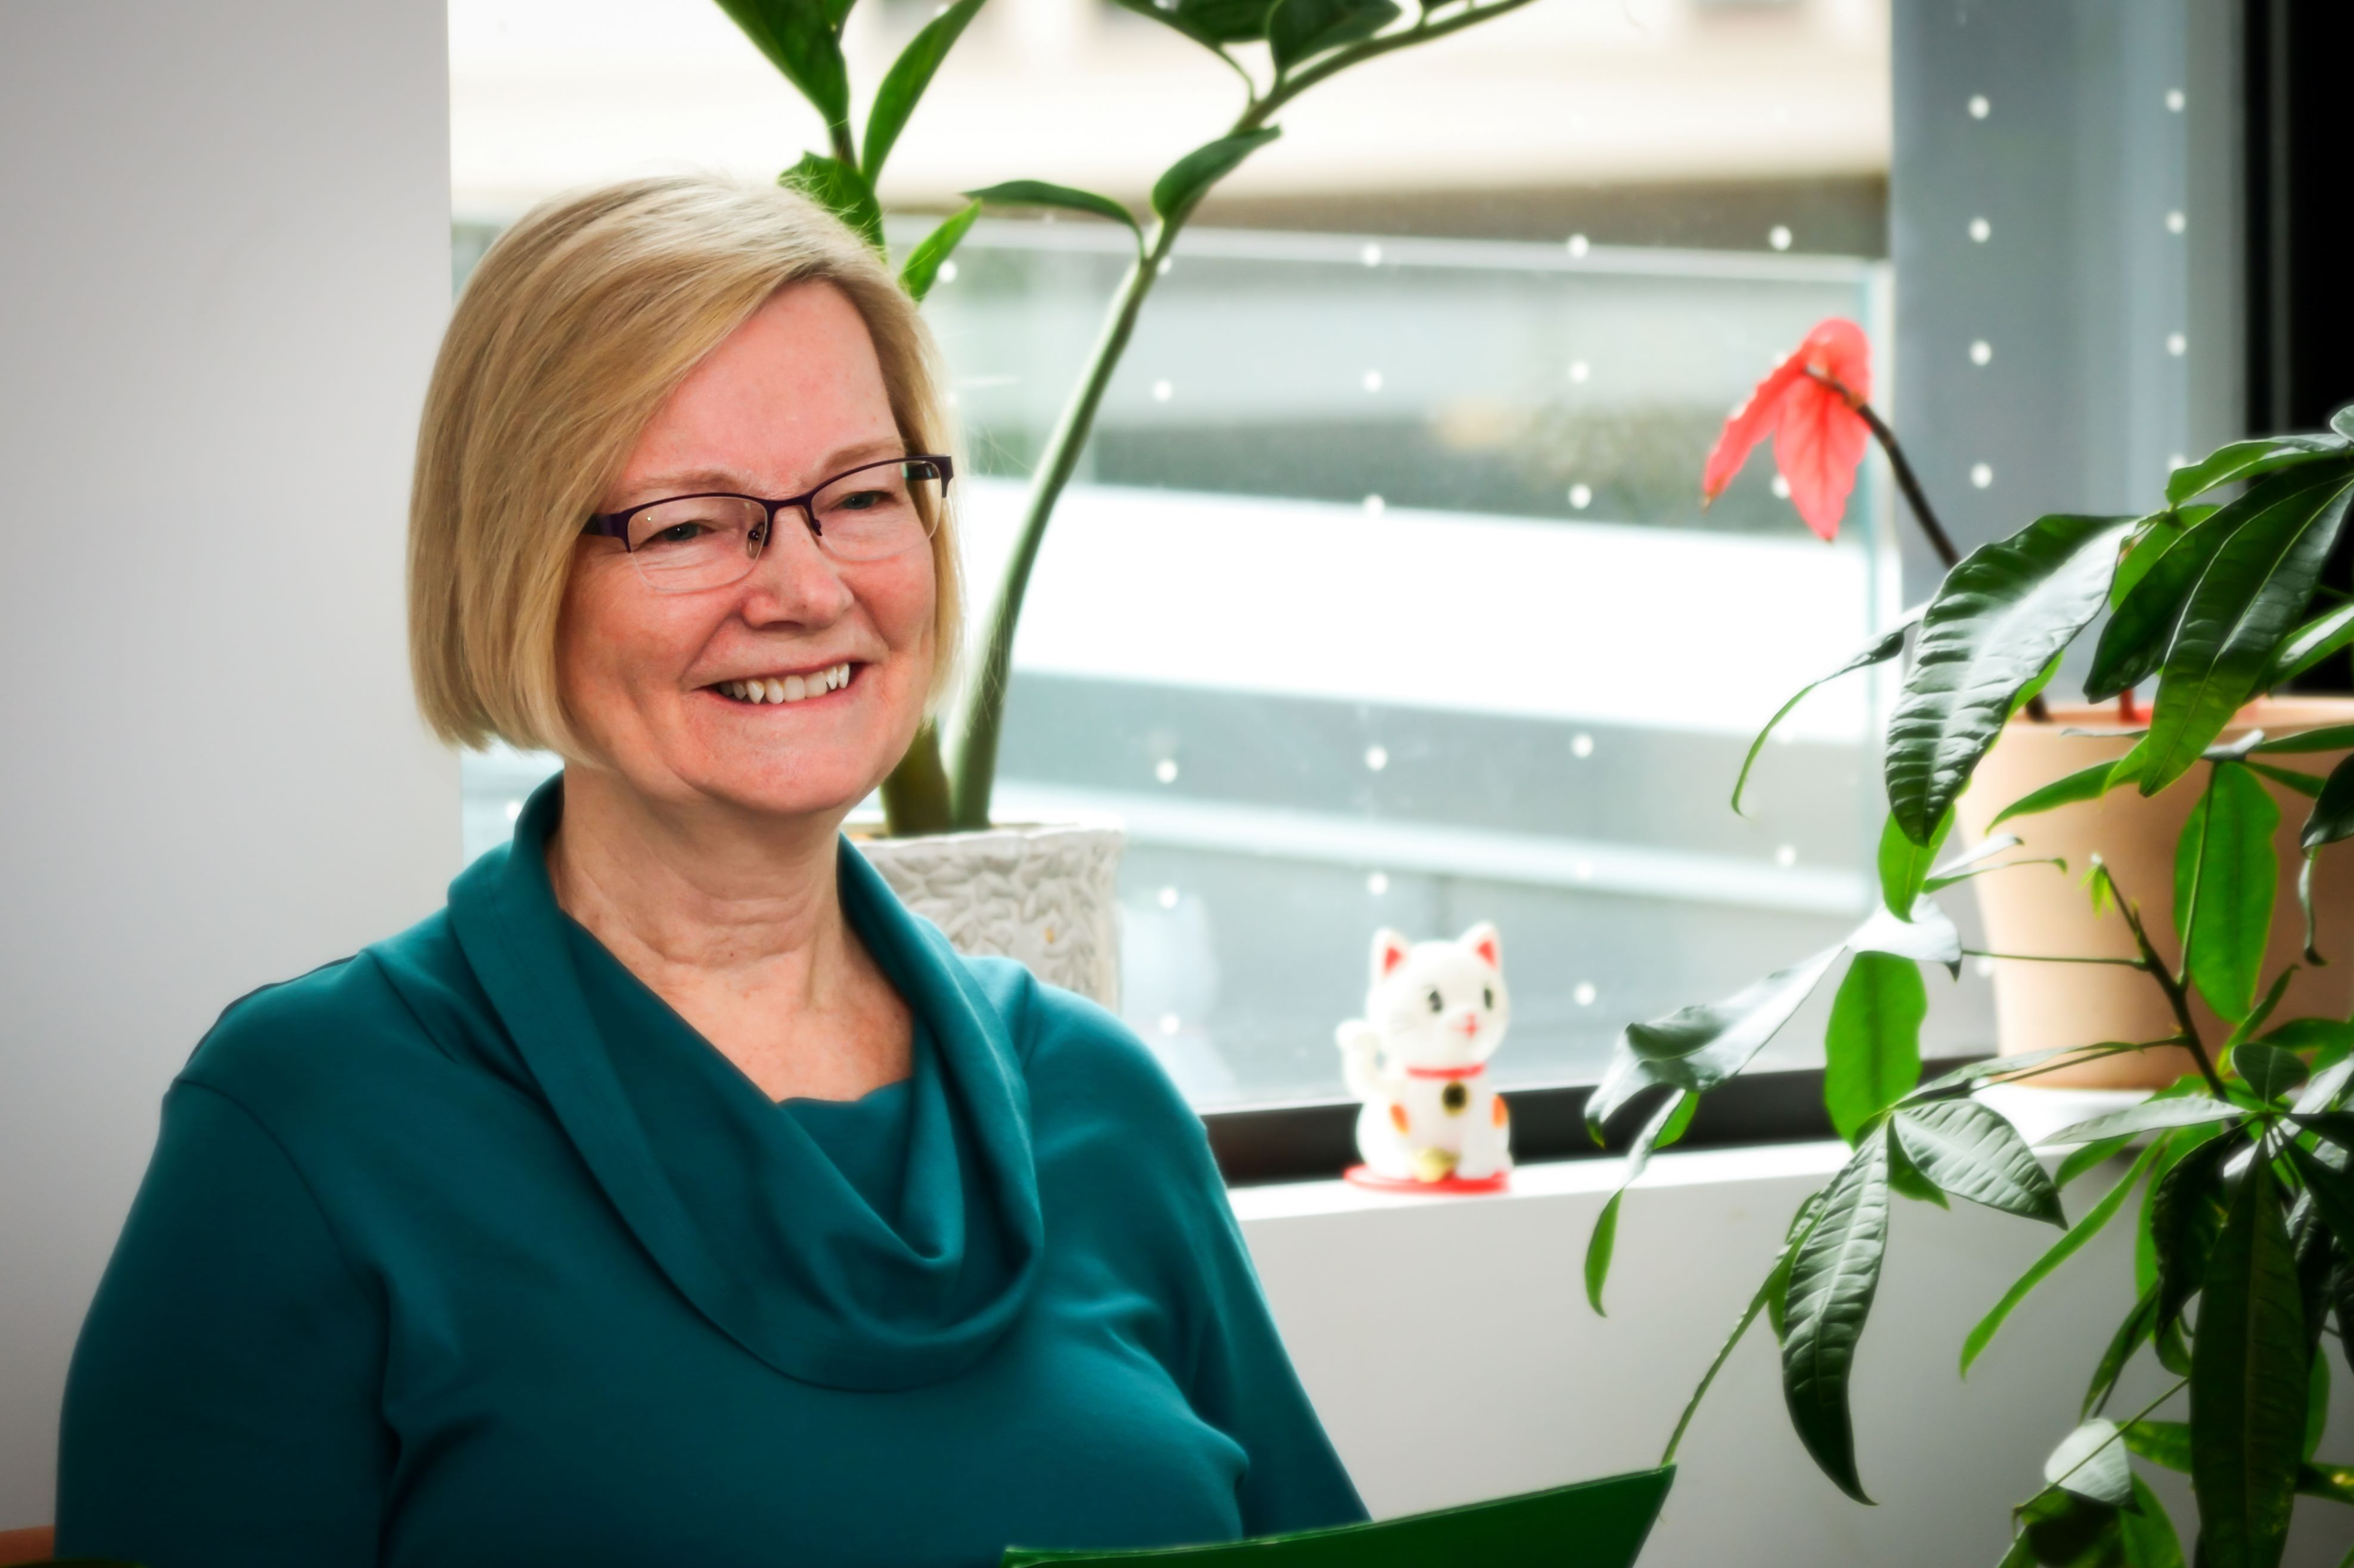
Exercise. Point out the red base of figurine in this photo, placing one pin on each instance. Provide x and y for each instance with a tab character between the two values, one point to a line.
1366	1176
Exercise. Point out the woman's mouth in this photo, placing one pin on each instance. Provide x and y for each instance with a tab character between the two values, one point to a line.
787	688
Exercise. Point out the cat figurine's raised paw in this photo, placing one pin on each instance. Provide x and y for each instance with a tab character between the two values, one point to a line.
1418	1061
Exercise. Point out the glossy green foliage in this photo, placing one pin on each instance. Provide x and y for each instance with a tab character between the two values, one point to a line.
2333	809
1666	1126
904	83
2311	643
1904	866
1188	179
2242	605
1969	1150
2224	879
1872	1050
1067	199
1209	23
2242	461
2186	1212
801	38
1697	1047
2248	1385
1299	30
2090	1462
1833	1275
2084	784
922	267
1996	624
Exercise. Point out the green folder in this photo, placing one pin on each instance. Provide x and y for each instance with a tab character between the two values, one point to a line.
1594	1524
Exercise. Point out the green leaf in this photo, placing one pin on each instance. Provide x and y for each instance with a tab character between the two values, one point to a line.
1880	652
2166	1444
2306	784
1697	1047
1833	1276
2148	1117
2271	1072
1970	863
2089	1156
2332	1189
801	39
2338	1127
2152	537
2311	643
1599	1247
1998	619
1904	866
2316	1409
1297	29
1928	937
2084	784
2148	1531
2248	1372
2131	1335
2247	460
2324	1034
2146	600
2224	879
2335	1482
841	190
1665	1127
922	266
1189	179
2062	1530
1208	22
1067	199
1871	1051
1997	1067
2329	737
904	83
2333	809
2237	610
2185	1211
1907	1182
1967	1147
2060	1251
2090	1462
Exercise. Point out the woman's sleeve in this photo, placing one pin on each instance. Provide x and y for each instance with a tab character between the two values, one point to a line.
223	1406
1243	1383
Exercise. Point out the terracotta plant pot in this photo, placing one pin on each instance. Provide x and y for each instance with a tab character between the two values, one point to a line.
1049	896
2041	1006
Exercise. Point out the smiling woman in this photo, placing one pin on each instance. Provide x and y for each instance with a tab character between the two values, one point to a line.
674	1194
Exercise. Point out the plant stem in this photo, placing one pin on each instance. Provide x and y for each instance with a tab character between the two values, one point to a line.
972	773
2175	997
915	794
1910	483
2049	958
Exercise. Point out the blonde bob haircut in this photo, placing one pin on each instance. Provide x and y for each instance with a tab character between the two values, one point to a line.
574	330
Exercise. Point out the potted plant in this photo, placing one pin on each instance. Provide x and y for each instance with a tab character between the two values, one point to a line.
1046	893
2246	1213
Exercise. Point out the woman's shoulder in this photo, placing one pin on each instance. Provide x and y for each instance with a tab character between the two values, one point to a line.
384	1011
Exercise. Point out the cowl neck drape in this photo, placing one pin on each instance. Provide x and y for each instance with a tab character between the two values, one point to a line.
728	1193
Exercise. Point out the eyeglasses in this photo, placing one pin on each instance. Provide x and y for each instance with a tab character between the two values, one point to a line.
683	544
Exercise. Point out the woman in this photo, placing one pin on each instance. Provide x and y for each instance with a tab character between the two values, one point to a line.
673	1195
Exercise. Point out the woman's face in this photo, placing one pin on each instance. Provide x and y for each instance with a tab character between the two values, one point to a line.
795	396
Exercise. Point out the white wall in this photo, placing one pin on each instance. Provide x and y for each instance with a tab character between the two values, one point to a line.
224	267
1447	1345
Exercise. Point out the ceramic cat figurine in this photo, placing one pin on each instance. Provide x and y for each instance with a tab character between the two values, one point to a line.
1418	1059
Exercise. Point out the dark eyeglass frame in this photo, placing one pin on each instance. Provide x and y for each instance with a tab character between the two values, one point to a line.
616	525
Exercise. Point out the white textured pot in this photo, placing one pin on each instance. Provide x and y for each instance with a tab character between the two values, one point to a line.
1046	895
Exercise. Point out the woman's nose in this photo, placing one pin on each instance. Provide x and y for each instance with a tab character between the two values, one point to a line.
794	579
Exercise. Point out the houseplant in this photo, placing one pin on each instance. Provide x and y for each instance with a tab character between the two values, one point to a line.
1003	889
2246	1217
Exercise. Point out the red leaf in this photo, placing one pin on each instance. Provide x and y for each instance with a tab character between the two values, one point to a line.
1819	438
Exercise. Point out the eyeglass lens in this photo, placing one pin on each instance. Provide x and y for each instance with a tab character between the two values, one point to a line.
709	541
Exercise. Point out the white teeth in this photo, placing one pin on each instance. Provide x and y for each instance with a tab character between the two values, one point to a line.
789	688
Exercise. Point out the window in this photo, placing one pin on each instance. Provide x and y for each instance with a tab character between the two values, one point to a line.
1385	597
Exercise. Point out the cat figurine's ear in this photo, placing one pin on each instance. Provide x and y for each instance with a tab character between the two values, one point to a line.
1482	939
1390	949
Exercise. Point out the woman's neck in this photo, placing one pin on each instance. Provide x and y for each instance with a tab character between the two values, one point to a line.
736	922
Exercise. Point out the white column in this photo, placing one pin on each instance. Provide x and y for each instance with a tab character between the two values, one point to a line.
223	270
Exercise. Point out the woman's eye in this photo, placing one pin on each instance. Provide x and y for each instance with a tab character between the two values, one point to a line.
1488	997
680	534
1437	1003
859	501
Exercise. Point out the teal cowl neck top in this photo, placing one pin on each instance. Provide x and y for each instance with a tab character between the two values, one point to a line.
469	1250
